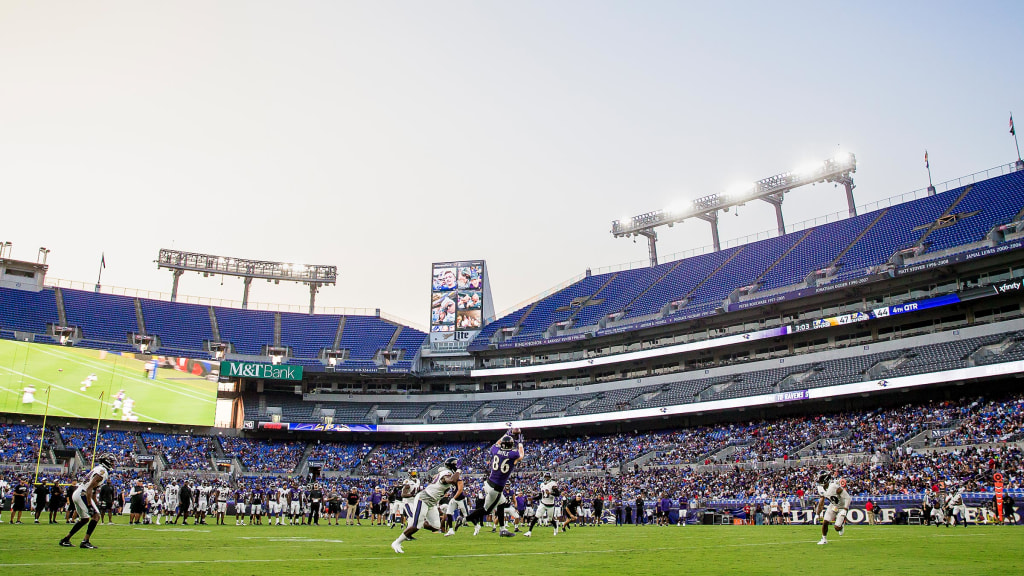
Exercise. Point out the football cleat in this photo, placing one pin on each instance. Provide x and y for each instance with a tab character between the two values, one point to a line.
66	543
87	545
526	534
476	529
823	541
450	532
506	534
397	547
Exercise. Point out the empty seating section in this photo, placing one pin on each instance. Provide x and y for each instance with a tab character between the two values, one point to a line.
626	286
248	330
181	451
506	409
894	231
815	252
363	337
121	444
679	283
997	201
308	334
101	316
401	411
26	311
936	357
558	307
452	412
409	340
179	326
744	269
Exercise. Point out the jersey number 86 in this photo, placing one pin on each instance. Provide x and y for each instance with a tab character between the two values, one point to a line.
499	466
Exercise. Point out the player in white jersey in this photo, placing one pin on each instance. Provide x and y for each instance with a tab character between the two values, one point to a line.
278	503
955	505
425	513
546	505
118	400
837	498
86	502
171	500
410	487
88	382
151	504
128	414
28	395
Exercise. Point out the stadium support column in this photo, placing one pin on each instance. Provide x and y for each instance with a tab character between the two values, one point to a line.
245	294
312	296
174	284
652	245
776	200
712	218
847	182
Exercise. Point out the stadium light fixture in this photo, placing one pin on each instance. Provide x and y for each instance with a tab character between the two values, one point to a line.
313	275
838	169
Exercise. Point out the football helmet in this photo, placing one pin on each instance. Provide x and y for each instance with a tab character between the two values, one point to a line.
825	477
107	460
547	475
451	463
506	442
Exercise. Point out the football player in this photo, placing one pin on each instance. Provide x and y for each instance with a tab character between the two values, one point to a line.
955	505
457	503
504	456
545	504
86	502
425	512
837	499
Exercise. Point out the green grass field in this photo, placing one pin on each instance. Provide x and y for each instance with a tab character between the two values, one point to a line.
175	397
902	550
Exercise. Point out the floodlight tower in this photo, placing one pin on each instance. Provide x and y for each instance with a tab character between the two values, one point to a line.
313	276
839	170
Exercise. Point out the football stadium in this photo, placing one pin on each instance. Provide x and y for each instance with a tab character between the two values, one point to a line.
841	392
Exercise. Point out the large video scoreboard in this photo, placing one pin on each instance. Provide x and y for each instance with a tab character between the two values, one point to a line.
460	303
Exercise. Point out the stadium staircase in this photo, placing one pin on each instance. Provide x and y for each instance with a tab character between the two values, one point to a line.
213	325
879	369
838	259
712	275
629	306
935	225
302	468
924	438
138	316
62	316
277	328
780	259
338	333
140	446
590	300
979	356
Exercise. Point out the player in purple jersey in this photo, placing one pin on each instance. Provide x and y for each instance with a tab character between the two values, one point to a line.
504	456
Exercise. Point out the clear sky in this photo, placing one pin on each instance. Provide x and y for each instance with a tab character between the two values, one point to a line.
381	136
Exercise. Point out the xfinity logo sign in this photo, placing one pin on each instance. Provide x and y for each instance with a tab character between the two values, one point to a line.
1008	287
260	371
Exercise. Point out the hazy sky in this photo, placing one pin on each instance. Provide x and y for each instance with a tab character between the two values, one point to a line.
382	136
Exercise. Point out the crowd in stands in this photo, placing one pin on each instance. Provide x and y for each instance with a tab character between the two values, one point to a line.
335	456
19	443
264	455
390	456
182	452
116	442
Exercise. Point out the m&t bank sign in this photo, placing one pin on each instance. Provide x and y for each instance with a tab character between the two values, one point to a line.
260	371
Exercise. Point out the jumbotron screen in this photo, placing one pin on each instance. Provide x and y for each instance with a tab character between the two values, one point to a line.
456	297
134	387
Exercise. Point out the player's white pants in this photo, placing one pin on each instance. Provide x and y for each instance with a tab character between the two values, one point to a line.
256	509
222	507
545	512
962	511
296	507
273	507
459	505
423	513
493	497
84	509
395	508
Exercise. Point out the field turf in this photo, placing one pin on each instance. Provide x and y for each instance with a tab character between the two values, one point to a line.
175	397
257	550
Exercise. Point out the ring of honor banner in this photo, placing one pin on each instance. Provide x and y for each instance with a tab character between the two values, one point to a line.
460	303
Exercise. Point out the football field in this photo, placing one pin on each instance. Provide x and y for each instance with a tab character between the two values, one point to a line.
248	550
173	397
